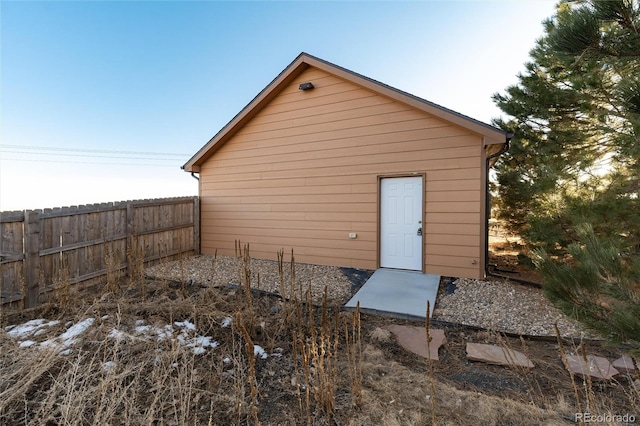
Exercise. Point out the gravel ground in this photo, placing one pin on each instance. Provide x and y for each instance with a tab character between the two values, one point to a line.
504	306
497	305
223	270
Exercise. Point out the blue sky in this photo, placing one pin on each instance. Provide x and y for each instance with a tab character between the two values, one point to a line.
105	100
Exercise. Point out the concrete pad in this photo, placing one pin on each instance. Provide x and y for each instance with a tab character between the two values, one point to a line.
397	293
596	367
492	354
624	364
414	339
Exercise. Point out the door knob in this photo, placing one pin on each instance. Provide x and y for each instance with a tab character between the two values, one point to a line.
420	231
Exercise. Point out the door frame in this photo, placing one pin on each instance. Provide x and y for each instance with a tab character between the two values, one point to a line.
379	205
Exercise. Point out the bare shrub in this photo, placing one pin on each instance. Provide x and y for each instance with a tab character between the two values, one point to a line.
322	365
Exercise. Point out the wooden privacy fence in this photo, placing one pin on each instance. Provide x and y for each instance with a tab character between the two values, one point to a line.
40	249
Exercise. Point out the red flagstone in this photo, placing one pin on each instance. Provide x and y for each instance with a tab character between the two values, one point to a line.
493	354
414	339
596	367
624	364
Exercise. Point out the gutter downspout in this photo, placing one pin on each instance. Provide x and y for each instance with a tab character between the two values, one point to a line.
487	272
193	174
198	214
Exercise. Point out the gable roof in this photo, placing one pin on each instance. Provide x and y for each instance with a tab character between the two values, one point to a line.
304	61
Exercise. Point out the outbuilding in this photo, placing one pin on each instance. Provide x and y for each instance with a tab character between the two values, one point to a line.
348	171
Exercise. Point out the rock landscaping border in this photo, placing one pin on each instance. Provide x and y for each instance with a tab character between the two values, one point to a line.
489	304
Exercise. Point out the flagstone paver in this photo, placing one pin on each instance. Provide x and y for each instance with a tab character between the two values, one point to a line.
624	364
493	354
596	367
414	339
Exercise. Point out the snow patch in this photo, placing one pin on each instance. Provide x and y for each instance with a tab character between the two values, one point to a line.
187	325
184	333
259	351
69	337
199	350
116	334
29	328
37	327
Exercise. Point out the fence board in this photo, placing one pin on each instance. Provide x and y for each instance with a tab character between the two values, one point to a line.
11	255
79	244
31	256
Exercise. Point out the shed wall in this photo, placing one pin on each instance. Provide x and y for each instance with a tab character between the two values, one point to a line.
303	173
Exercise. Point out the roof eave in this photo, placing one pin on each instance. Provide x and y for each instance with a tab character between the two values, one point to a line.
492	135
262	99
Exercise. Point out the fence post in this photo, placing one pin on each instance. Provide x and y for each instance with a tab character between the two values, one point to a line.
130	244
32	256
196	225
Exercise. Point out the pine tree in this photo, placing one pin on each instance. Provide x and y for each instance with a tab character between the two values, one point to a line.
575	111
600	286
570	184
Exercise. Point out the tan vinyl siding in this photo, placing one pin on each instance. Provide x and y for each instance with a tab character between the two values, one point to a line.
303	173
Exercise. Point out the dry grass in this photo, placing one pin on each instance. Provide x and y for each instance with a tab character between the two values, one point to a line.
324	366
62	292
432	382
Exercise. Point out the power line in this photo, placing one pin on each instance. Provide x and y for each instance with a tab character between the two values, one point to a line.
96	151
93	156
85	162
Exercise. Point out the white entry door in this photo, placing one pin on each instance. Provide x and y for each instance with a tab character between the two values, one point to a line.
401	223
